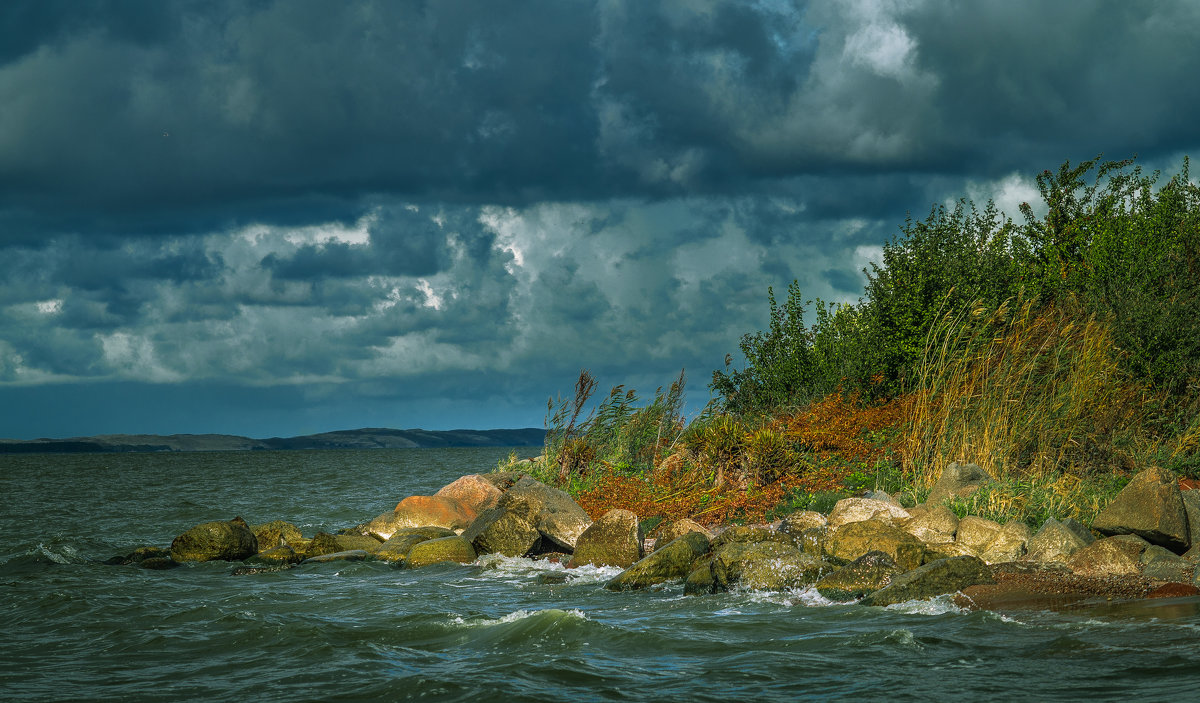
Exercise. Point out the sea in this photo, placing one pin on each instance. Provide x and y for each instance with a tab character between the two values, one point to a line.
75	629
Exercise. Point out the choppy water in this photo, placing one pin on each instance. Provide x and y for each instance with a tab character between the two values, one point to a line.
74	629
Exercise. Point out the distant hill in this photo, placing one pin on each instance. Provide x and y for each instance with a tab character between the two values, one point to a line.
366	438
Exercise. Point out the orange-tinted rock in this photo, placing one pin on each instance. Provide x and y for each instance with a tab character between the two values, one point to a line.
1174	590
473	490
422	511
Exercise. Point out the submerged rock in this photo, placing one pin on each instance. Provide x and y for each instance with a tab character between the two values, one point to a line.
1151	507
866	574
228	541
613	540
348	555
275	557
933	579
674	560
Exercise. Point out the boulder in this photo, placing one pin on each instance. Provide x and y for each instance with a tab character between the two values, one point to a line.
422	511
276	533
228	541
503	480
958	481
932	524
802	520
674	560
276	556
667	532
321	544
866	574
975	533
851	541
767	565
881	495
349	555
434	551
1161	564
347	542
932	579
1009	543
613	540
507	530
397	546
474	491
850	510
1150	507
1056	541
1111	556
558	518
749	534
813	541
138	556
1191	507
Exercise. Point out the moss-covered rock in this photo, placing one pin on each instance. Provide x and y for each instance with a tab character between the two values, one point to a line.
556	516
275	534
866	574
348	555
276	556
1119	555
442	549
1151	507
366	543
613	540
855	539
932	524
673	561
933	579
228	541
506	529
976	533
397	546
668	532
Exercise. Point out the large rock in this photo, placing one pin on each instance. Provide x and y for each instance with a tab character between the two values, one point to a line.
866	574
422	511
975	533
276	556
1057	541
932	579
276	533
346	542
932	524
672	561
321	544
558	518
1009	543
850	510
1149	507
767	565
473	490
1111	556
958	481
851	541
668	532
435	551
613	540
750	534
507	530
1161	564
802	520
397	546
348	555
228	541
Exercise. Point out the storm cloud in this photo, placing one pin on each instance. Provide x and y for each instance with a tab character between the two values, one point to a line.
376	209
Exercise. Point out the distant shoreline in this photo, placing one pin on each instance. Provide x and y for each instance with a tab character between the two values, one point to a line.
366	438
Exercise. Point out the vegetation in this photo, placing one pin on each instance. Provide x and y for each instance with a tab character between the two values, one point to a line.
1060	353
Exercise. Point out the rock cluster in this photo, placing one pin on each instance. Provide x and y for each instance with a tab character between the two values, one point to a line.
868	549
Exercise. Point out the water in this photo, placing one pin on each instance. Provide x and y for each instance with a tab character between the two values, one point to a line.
74	629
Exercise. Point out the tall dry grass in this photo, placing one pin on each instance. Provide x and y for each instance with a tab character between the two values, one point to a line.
1026	393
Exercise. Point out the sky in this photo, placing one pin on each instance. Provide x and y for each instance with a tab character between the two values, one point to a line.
273	218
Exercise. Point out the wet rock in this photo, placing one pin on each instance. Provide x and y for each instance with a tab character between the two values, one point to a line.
349	555
1009	543
1150	507
770	566
750	533
1056	541
275	556
813	541
138	556
1111	556
559	519
932	579
474	491
276	533
700	581
442	549
613	540
866	574
422	511
851	541
674	560
507	530
850	510
958	481
932	524
975	533
670	531
796	523
366	543
210	541
397	546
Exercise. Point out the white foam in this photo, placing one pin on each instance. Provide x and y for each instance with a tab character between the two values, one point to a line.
520	569
516	615
940	605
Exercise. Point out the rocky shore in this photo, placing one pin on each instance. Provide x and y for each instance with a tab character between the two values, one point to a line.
868	549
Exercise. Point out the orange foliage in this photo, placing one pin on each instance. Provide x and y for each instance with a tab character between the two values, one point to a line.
839	426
